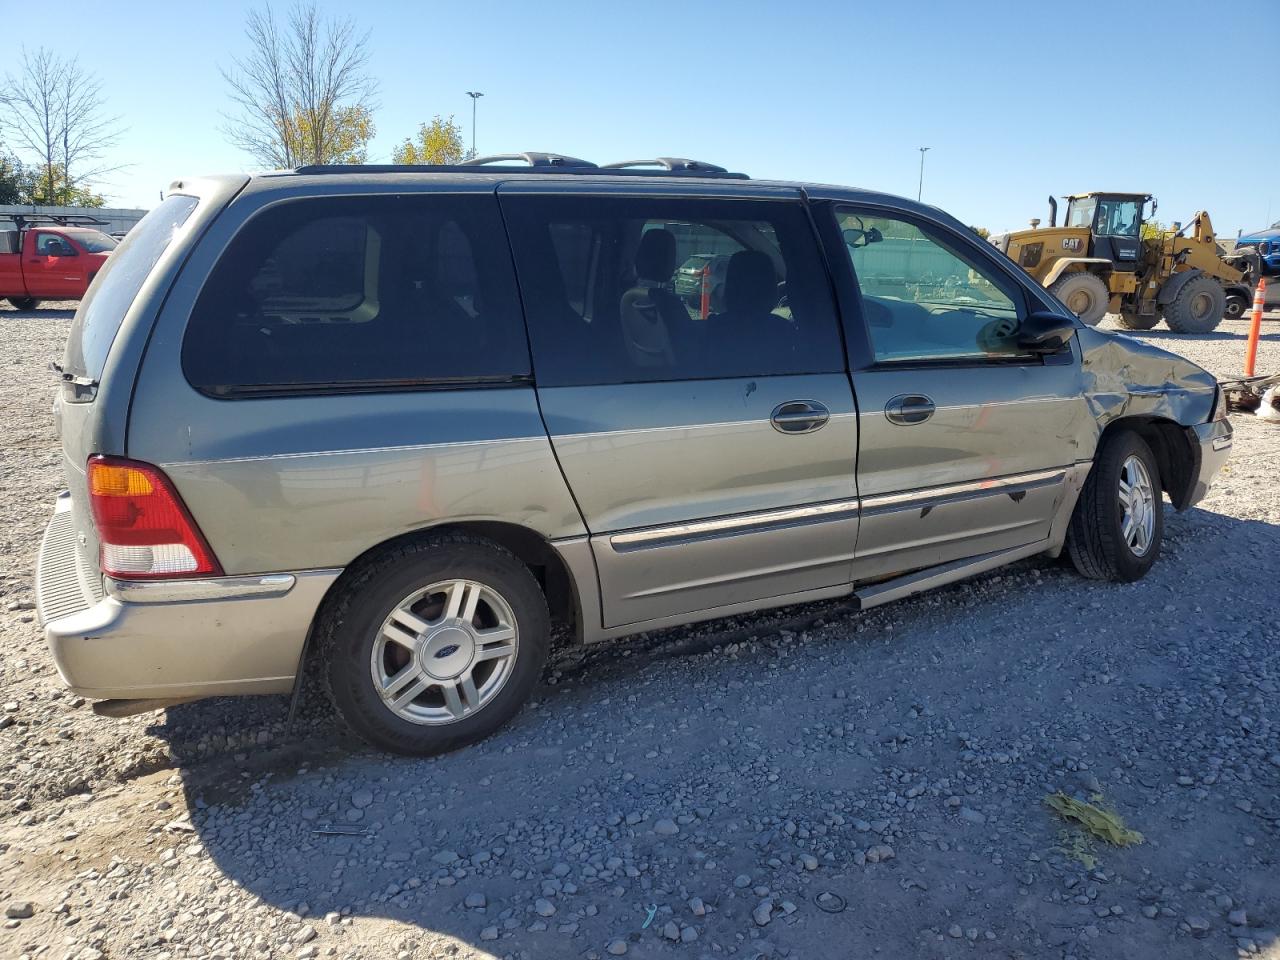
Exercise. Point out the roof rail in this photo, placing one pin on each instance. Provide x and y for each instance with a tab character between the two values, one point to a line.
532	158
670	164
319	168
534	162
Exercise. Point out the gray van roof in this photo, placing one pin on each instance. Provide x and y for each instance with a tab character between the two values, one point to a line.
537	170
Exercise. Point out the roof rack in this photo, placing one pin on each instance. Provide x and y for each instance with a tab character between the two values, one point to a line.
670	164
531	161
24	220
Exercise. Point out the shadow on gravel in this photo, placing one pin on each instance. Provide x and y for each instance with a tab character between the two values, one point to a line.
7	312
717	782
35	314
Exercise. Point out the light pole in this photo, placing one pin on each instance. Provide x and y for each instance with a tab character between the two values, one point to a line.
474	95
920	188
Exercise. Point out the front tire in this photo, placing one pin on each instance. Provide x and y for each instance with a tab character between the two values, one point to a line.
1118	522
1237	305
1085	295
1198	307
434	645
24	303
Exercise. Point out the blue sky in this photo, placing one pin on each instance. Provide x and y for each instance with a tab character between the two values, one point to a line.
1016	99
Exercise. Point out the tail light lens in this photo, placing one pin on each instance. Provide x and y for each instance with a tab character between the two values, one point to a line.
143	525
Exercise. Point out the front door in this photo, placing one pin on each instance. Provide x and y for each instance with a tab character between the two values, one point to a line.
966	444
53	268
709	441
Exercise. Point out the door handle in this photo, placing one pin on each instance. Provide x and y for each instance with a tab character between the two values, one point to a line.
799	416
909	408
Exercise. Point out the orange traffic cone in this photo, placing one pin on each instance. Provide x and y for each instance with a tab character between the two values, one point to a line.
1255	330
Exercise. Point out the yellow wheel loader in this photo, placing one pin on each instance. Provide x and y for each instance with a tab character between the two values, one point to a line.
1099	262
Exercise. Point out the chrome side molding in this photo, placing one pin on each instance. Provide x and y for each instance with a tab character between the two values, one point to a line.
736	525
682	533
936	496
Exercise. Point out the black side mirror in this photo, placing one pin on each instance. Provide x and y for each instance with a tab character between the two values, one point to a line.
857	238
1044	332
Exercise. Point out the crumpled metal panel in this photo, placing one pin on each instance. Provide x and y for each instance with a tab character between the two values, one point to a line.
1125	377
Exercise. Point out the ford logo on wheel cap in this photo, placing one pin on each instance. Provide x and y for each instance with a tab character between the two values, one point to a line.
448	651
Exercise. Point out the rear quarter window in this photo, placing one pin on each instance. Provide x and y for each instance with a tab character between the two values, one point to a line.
350	294
102	310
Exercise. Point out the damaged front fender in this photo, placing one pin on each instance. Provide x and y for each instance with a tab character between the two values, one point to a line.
1166	398
1127	377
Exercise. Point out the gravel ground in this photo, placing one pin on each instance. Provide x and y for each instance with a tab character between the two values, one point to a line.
808	783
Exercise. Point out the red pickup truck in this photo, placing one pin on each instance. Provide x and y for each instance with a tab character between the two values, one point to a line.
49	261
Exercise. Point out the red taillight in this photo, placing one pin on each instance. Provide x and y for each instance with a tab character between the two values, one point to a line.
145	530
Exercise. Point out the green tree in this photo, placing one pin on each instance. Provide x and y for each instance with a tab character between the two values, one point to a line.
983	232
345	141
437	142
10	179
36	187
1154	230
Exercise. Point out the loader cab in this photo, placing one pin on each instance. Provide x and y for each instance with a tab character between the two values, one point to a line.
1114	221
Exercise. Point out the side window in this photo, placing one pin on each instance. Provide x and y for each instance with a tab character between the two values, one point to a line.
924	298
52	245
626	290
359	293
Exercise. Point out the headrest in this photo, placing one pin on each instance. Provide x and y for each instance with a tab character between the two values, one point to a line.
750	284
656	258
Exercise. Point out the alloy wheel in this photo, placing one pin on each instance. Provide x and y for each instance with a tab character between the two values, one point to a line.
444	652
1137	505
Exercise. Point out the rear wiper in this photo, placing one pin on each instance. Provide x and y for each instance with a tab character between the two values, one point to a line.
71	378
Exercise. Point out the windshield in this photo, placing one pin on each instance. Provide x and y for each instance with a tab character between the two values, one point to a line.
111	294
1115	217
1080	213
94	241
1118	218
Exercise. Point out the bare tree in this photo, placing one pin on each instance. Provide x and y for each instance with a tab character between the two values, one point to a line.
302	90
87	132
55	111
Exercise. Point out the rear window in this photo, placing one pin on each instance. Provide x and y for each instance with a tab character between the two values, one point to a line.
360	293
112	293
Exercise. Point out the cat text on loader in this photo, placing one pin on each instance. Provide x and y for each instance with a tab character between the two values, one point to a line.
1098	262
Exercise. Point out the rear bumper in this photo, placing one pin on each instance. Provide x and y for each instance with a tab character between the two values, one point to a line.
1213	443
191	638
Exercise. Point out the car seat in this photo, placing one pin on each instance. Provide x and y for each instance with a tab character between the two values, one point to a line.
649	311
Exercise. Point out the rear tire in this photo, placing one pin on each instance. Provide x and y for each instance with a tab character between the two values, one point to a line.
1136	321
1085	295
1107	540
1198	307
24	303
434	645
